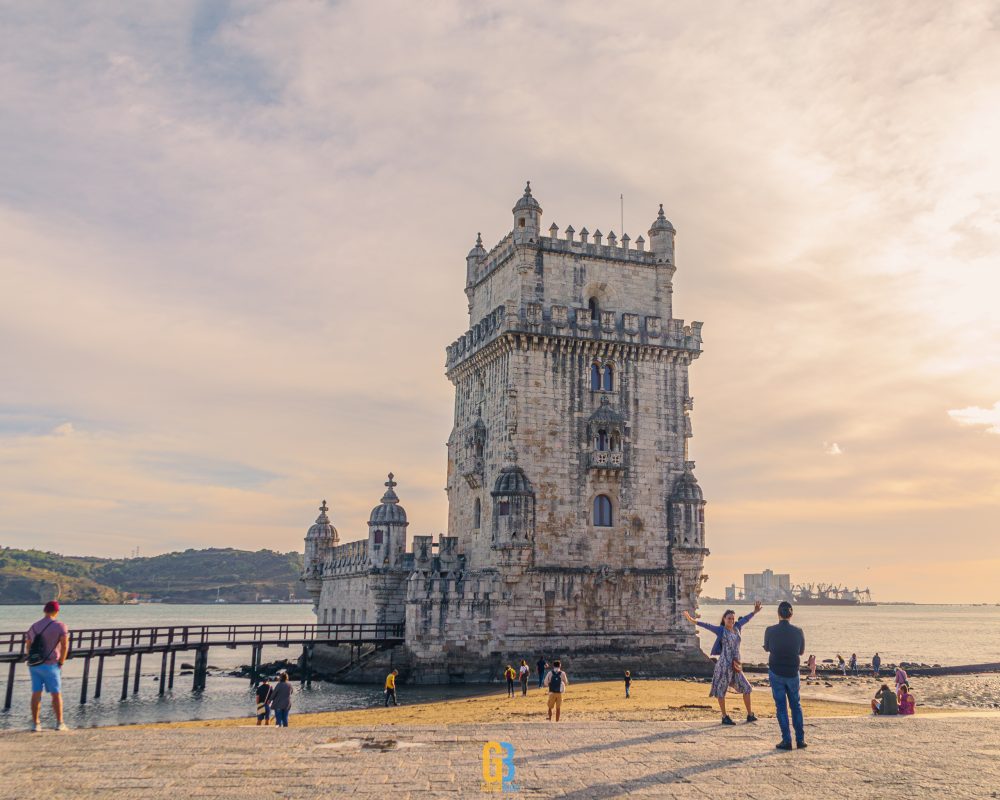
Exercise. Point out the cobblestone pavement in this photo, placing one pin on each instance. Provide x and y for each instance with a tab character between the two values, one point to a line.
858	758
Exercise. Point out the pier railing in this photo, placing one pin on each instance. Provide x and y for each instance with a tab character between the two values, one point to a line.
119	641
169	640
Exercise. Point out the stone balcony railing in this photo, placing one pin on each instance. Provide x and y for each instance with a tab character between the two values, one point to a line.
607	459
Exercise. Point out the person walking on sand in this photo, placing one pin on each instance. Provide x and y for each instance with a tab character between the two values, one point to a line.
390	687
854	665
628	683
728	673
841	665
523	672
541	665
811	663
48	646
263	695
281	700
876	665
556	682
509	674
785	643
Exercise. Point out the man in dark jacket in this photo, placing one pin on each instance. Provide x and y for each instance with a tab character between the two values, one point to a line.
785	643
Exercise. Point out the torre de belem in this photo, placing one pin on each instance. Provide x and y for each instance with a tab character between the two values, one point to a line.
576	527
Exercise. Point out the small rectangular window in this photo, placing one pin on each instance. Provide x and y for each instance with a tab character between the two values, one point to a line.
503	508
378	537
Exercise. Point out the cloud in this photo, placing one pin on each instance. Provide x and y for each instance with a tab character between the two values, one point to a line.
832	449
234	241
975	416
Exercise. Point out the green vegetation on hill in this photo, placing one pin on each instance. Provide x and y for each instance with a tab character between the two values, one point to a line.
194	576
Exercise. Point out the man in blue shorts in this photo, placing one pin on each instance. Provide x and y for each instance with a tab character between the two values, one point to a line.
53	638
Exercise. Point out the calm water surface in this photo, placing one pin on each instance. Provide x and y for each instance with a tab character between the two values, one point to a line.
927	634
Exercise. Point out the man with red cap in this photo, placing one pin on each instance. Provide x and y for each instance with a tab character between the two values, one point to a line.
48	646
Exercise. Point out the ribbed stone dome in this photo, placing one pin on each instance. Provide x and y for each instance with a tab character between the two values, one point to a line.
661	223
512	481
527	202
478	251
686	489
323	528
389	510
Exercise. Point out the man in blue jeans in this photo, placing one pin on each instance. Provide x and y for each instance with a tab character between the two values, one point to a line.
785	643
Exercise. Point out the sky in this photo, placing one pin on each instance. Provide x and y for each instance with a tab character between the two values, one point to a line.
232	243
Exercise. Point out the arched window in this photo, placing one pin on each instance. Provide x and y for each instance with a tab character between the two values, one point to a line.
595	377
477	513
602	511
616	442
601	442
609	378
479	448
595	313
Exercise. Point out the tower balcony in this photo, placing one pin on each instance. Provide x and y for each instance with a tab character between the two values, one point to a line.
607	459
471	468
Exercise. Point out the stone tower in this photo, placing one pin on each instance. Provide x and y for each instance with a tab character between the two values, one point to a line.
572	504
576	527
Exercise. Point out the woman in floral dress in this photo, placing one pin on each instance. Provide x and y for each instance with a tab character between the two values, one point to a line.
728	675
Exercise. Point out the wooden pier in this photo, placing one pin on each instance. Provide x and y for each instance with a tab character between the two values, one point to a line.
168	641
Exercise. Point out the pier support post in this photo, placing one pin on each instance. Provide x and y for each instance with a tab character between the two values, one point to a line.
138	668
100	677
128	661
163	673
170	680
86	679
255	657
8	697
200	668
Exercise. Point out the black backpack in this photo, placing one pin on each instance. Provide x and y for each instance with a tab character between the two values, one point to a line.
555	682
36	653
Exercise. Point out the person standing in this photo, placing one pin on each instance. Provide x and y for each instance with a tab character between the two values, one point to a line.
729	668
902	679
785	644
854	664
628	683
48	647
841	665
541	671
556	682
876	665
523	672
281	700
811	664
510	674
263	695
390	687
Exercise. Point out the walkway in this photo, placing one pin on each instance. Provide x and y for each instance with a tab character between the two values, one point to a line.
923	757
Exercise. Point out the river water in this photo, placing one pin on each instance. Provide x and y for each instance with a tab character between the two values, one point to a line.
945	635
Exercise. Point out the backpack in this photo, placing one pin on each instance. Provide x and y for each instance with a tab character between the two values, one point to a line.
36	653
555	682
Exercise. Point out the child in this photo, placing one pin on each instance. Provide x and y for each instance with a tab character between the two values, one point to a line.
628	683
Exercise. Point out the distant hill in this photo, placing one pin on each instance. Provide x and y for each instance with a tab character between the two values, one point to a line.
194	576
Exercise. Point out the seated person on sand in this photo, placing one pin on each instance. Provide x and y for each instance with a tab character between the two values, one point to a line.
907	702
884	703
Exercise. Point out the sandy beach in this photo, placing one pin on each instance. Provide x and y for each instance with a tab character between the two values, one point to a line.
651	701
